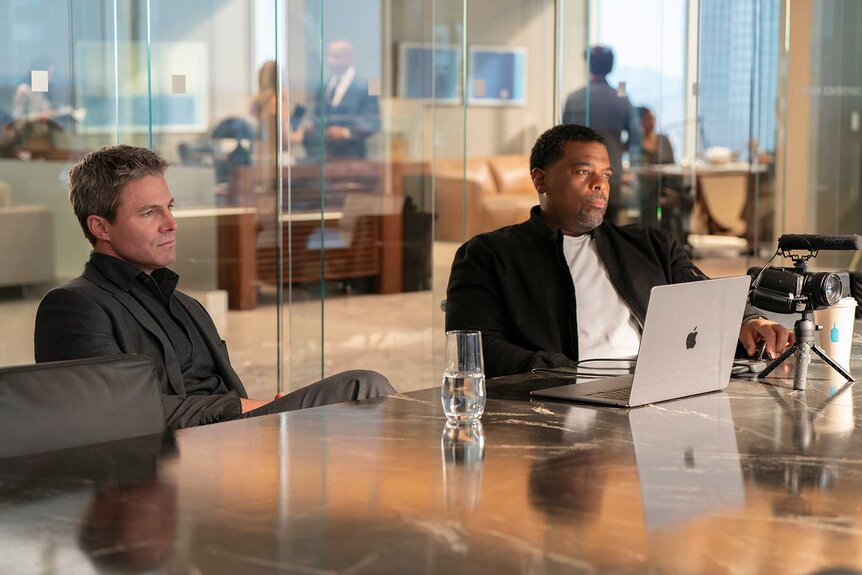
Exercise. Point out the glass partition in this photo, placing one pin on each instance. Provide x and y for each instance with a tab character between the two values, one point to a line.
329	157
633	92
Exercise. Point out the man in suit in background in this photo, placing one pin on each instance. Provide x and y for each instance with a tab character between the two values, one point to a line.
608	111
126	300
349	115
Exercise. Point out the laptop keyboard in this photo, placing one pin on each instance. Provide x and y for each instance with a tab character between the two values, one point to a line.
616	394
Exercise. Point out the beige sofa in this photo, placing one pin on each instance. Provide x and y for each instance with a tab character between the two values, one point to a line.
498	192
27	237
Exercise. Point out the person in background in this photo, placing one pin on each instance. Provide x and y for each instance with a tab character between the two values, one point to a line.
28	104
607	110
264	109
664	194
345	115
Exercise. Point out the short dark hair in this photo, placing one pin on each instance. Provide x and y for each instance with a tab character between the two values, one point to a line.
96	180
601	60
551	146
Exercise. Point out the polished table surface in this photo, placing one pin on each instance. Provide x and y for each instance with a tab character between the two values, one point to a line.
757	479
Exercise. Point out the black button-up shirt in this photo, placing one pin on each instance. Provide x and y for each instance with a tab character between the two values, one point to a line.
155	293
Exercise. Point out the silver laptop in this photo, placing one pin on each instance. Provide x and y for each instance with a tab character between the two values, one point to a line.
687	347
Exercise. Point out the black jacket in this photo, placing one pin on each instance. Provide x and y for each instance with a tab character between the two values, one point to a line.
514	285
91	316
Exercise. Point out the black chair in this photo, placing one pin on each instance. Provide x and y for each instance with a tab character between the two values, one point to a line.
57	405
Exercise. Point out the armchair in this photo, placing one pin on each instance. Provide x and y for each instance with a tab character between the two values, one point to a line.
498	189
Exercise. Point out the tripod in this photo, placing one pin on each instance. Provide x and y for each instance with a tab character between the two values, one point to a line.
804	343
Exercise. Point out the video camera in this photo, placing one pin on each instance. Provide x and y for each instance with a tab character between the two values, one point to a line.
789	290
794	289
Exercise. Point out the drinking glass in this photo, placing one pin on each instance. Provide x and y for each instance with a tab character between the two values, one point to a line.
463	391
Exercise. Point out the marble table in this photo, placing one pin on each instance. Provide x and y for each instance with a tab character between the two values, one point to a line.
756	479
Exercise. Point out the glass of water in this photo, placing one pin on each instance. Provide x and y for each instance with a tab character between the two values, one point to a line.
463	391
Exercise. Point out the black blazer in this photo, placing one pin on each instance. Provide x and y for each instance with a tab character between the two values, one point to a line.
91	316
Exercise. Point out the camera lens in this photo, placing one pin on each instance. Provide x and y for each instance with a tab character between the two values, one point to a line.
823	289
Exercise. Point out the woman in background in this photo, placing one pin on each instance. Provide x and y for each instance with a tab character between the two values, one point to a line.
665	199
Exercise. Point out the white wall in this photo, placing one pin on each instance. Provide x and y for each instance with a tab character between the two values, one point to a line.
489	130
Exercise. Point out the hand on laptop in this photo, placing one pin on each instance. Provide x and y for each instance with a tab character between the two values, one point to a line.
759	331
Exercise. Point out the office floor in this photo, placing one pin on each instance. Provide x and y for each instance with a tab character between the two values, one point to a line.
394	334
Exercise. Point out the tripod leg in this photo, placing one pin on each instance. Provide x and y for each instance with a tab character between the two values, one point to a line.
825	357
803	358
787	353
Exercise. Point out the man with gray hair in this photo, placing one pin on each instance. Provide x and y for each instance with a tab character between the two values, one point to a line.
126	300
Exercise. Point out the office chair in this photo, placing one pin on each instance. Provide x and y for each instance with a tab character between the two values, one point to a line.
56	405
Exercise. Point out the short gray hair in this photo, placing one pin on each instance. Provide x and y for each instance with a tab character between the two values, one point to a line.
96	181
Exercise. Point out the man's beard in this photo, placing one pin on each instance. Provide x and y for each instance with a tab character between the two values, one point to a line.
591	218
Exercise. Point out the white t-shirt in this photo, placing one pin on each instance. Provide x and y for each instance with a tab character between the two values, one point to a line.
606	327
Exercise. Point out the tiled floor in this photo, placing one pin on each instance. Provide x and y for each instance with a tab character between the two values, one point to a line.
398	335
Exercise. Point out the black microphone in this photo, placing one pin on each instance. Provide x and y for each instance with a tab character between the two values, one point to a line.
817	242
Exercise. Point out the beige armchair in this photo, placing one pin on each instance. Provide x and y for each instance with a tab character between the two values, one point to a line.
27	234
498	192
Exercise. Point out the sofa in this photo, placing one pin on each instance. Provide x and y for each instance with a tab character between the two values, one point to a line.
499	192
27	234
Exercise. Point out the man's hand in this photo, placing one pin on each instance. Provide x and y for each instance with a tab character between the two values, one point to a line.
249	404
756	332
338	133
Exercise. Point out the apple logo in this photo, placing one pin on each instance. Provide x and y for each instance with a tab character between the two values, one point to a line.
691	340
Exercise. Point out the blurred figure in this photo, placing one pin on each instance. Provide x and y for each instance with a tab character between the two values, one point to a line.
39	127
660	193
349	115
27	104
608	111
35	106
655	148
264	109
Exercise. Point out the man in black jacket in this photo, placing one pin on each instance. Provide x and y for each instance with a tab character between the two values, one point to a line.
518	284
126	300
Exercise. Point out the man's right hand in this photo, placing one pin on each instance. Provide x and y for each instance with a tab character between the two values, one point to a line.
250	404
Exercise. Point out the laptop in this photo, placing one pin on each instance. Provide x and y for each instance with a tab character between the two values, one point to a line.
687	347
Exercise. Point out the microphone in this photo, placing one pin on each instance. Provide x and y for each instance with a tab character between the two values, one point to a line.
817	242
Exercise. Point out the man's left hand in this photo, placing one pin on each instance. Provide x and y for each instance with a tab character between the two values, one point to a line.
757	332
338	133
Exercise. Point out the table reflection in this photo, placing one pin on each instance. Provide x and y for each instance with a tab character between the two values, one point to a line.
124	510
756	477
130	527
817	424
689	468
463	448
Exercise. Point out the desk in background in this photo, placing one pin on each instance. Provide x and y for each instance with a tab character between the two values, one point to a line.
319	197
757	479
707	205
